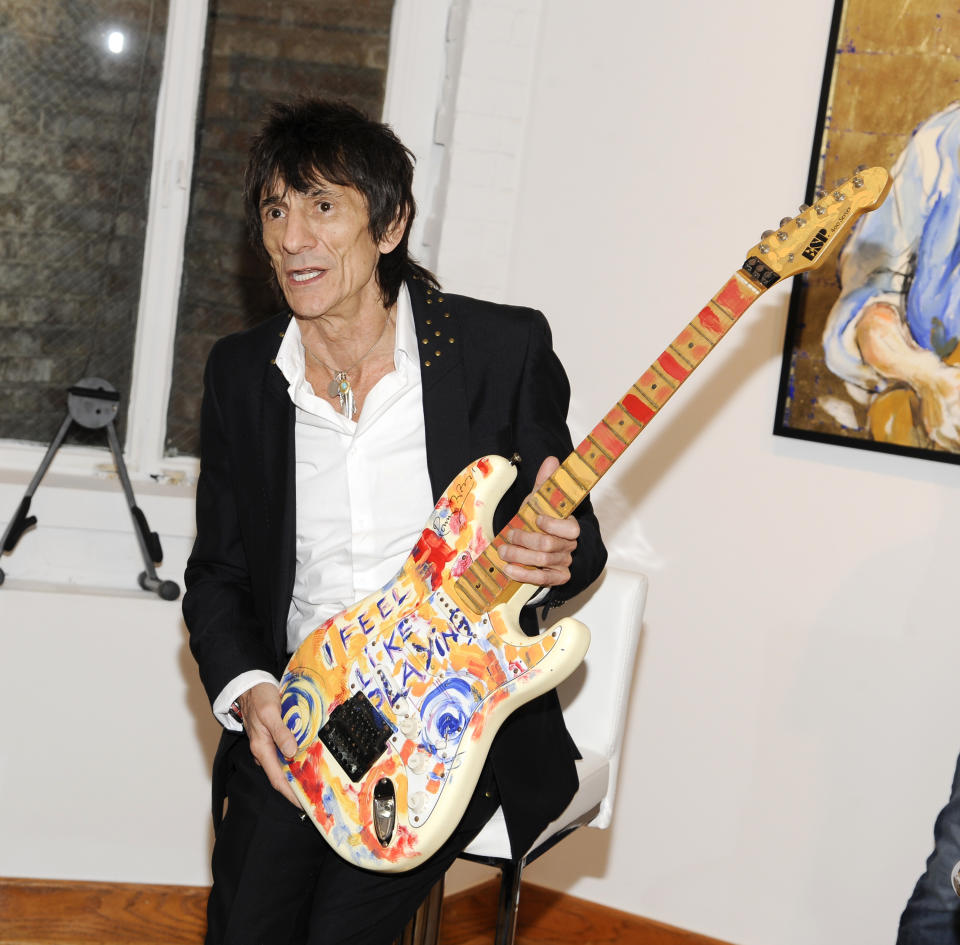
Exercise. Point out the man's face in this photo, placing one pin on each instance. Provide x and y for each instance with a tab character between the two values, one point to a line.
321	250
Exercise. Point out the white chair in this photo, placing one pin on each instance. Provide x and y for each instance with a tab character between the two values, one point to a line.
595	700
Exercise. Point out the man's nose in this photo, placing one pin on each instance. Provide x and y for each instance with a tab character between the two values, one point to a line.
297	235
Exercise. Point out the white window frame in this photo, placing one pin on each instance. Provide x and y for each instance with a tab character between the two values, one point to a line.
168	207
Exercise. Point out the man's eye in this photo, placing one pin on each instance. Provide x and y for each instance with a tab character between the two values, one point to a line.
274	213
324	206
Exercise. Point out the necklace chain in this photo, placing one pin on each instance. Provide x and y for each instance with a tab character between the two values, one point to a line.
340	386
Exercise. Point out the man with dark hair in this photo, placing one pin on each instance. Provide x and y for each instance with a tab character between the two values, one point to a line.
327	434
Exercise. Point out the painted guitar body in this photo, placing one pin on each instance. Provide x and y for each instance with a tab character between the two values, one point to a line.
431	681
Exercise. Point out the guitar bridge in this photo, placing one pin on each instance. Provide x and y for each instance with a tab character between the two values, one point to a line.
356	734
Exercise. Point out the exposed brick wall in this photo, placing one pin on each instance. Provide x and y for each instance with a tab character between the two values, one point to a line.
258	51
76	135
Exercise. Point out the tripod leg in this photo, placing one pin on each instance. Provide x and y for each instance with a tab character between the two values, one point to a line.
149	541
21	521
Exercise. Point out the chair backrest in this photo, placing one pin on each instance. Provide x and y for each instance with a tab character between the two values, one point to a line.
596	696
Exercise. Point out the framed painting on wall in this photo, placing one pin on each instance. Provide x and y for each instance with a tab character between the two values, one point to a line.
872	352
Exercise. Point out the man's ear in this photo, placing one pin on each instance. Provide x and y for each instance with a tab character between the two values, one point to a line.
393	235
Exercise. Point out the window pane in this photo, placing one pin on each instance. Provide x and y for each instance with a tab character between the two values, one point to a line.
258	51
78	93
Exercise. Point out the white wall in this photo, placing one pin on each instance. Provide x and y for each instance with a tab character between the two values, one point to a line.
107	738
792	734
793	730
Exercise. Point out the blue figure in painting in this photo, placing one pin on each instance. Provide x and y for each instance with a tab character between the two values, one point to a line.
892	335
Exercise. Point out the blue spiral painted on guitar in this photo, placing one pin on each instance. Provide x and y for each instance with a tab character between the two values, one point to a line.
446	711
301	706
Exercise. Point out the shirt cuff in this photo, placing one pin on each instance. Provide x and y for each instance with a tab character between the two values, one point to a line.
233	690
538	598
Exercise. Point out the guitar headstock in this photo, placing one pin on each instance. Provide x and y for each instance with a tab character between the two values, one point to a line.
804	241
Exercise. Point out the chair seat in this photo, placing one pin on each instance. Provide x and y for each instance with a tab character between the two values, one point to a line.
594	772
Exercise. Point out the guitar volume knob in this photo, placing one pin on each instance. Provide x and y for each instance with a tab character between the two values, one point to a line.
417	801
418	762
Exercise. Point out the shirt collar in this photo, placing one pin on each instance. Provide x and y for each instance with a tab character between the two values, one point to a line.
291	357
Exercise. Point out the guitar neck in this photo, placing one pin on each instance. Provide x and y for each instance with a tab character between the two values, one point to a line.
608	440
484	585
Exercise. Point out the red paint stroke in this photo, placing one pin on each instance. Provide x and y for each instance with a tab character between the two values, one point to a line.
710	321
642	412
307	775
431	553
734	298
485	466
672	367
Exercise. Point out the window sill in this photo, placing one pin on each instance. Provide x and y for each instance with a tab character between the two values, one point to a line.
84	540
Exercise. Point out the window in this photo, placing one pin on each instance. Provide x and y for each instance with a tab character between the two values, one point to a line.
84	108
77	106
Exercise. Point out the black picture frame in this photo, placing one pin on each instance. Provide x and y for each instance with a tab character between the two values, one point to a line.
879	84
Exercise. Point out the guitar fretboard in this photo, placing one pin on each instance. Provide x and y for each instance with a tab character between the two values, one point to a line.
484	585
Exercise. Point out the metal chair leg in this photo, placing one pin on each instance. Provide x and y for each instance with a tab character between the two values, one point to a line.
424	927
509	901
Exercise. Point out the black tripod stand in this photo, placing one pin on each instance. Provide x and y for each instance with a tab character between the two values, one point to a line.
93	403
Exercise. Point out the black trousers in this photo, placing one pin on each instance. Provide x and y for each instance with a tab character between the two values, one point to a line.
276	881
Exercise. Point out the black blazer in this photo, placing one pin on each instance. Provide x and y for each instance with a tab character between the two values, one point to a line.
491	384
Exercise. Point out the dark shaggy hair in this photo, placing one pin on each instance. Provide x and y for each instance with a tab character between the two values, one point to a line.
312	139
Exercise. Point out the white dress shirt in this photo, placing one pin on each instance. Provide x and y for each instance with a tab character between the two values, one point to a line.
362	490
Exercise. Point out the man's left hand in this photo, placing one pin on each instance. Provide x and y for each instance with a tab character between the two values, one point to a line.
542	558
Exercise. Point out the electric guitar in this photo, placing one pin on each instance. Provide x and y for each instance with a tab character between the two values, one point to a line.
395	701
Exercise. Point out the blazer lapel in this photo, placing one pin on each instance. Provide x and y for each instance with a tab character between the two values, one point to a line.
277	474
445	416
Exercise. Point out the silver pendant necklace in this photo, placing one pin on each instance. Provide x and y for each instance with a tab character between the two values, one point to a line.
340	386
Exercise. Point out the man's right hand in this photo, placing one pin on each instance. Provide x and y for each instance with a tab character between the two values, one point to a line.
260	708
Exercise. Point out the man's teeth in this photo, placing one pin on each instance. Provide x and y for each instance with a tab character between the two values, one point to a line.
304	275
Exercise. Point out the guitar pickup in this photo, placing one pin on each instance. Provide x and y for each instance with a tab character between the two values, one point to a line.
356	734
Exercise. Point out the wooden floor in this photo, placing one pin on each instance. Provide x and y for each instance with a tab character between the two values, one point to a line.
552	918
48	912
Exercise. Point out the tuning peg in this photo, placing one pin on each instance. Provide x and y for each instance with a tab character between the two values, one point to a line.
804	207
820	193
785	221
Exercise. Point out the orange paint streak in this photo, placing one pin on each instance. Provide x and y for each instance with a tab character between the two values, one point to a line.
622	421
655	387
692	346
494	671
